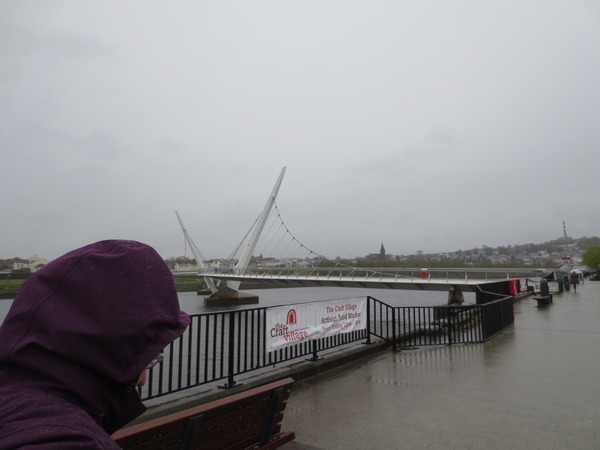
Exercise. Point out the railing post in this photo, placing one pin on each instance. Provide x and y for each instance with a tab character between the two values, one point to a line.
231	350
315	357
484	322
450	325
394	344
368	341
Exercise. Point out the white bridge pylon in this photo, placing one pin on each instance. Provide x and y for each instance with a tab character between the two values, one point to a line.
246	255
197	255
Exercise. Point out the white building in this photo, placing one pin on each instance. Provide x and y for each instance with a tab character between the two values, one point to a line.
34	263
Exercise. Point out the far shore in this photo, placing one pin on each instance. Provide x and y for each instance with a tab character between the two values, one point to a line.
10	288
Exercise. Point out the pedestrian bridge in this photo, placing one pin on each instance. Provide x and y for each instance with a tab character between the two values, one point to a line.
337	275
469	280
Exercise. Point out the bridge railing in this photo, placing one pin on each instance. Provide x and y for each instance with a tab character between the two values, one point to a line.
374	274
221	346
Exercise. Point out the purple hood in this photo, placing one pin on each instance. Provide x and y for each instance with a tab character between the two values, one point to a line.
87	324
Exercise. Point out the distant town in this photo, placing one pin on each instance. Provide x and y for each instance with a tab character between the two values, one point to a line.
548	254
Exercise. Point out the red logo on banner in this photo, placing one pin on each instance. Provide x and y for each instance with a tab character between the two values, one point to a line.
291	317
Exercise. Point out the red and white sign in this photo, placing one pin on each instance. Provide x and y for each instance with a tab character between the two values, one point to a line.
292	324
523	285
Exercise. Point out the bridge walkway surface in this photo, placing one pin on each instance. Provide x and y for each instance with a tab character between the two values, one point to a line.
534	386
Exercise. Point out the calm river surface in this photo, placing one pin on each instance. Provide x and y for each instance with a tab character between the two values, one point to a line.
194	304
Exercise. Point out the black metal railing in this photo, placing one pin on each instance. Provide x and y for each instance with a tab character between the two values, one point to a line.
220	346
497	316
410	326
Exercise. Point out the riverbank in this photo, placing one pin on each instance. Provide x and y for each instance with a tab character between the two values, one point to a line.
9	288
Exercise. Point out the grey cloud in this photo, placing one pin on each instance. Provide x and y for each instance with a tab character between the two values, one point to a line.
430	126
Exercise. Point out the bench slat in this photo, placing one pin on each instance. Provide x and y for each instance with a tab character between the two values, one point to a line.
214	429
215	433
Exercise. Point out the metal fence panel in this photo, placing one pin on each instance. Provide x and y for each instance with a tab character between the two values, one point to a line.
223	345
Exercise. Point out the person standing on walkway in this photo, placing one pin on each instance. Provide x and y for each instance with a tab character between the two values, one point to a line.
455	296
574	280
76	343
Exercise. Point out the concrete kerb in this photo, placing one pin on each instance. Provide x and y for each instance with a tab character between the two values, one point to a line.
297	369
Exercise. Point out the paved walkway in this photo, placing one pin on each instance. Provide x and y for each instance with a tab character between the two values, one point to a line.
535	386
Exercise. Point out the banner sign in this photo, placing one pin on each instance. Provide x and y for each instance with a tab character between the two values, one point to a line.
523	284
292	324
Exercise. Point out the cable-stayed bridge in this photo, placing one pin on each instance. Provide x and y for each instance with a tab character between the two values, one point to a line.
289	251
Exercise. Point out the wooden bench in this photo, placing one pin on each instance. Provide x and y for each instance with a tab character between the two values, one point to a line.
246	420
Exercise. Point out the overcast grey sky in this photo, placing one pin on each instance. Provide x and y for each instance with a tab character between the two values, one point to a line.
426	125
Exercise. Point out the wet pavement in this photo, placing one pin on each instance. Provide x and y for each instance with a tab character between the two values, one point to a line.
534	386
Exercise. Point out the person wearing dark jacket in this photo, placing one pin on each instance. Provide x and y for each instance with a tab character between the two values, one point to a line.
76	342
574	280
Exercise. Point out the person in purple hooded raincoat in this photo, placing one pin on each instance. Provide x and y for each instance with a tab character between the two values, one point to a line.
76	342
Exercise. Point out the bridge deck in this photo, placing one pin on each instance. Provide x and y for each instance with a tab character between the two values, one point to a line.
433	282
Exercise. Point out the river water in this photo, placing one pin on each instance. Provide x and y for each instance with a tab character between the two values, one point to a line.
194	304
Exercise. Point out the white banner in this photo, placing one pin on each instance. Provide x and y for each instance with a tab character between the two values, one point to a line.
292	324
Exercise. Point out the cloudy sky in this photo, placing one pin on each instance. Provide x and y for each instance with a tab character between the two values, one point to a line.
426	125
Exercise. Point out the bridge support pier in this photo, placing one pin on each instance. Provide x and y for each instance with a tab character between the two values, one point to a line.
226	296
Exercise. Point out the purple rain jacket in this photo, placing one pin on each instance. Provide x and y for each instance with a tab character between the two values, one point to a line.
78	335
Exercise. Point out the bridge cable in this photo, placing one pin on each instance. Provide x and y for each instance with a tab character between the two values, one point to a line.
265	242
